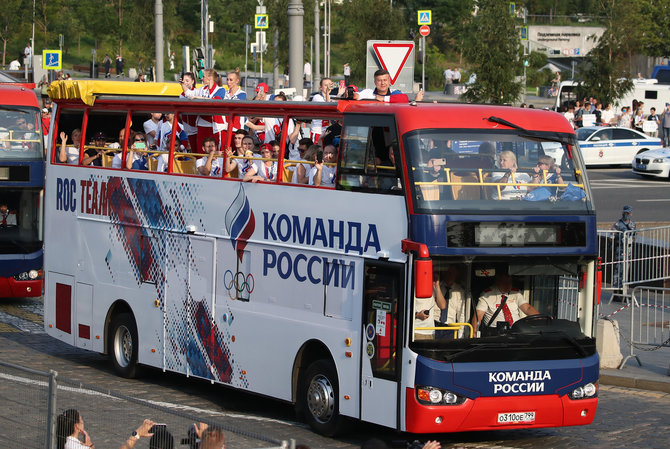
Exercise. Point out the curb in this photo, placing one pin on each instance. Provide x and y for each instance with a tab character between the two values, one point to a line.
635	382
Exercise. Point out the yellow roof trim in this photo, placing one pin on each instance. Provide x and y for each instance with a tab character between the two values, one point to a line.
87	90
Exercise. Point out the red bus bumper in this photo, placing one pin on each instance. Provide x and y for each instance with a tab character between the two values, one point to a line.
11	288
482	413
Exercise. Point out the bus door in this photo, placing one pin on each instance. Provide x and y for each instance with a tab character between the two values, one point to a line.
189	298
382	301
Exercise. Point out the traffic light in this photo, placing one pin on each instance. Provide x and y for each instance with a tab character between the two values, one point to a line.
199	62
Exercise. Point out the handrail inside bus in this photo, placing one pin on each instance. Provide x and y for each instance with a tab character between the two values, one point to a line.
449	327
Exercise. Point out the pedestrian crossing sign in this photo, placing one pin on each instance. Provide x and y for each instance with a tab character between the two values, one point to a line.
261	21
425	17
52	60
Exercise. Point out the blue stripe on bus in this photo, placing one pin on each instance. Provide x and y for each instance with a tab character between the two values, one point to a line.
36	168
515	378
11	264
432	231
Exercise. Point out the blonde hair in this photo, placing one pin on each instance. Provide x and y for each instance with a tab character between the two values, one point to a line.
310	154
507	154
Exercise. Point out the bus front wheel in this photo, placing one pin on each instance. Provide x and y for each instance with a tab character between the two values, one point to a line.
123	345
320	398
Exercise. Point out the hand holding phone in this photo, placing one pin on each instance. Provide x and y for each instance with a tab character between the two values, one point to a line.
319	156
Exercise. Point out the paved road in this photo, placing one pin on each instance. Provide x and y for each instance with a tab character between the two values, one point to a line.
626	417
614	187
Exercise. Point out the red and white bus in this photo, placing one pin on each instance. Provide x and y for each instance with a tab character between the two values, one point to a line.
311	294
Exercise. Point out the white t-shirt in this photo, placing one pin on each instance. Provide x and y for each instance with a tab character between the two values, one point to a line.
217	165
318	125
267	173
73	443
72	155
14	65
421	304
327	175
491	300
512	192
150	126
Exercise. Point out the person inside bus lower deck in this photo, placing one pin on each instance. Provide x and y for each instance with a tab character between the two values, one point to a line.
502	295
94	152
447	290
212	164
263	170
7	216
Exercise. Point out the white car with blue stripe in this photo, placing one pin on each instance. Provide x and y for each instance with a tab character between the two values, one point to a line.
613	145
653	163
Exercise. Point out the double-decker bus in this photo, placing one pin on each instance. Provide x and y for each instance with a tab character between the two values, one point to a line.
21	193
311	295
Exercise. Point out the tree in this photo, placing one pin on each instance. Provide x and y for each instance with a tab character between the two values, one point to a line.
603	74
655	30
493	49
12	16
369	20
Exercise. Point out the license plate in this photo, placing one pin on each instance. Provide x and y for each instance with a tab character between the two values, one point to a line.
518	417
641	167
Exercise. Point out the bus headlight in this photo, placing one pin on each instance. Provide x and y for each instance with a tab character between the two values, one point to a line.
28	275
437	396
589	390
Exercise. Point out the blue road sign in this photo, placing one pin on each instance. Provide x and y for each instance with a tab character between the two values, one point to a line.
52	60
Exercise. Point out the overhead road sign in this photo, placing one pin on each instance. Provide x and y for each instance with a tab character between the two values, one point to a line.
392	57
424	30
261	21
425	17
52	60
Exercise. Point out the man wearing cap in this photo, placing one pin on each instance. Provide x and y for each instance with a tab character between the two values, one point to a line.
261	91
622	243
665	124
95	152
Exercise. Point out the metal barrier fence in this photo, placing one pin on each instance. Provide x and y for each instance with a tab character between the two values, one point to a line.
649	325
568	298
634	257
32	401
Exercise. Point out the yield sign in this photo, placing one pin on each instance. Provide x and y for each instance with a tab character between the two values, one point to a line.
393	57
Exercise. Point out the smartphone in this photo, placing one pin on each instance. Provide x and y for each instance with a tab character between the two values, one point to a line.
319	156
341	85
427	312
140	145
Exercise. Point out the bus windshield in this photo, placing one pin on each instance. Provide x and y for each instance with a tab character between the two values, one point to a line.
480	172
20	133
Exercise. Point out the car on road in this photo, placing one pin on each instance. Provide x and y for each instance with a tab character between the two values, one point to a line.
613	145
653	163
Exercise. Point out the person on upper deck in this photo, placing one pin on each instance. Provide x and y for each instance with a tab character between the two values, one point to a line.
69	154
323	96
322	174
241	162
212	164
515	188
94	152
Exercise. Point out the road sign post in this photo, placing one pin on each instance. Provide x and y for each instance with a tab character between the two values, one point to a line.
261	23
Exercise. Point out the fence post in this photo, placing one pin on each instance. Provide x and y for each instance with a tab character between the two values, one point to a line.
51	411
632	354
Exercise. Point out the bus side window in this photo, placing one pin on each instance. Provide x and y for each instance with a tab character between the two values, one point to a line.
68	137
370	156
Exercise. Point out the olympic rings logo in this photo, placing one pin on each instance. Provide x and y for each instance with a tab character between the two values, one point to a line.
239	282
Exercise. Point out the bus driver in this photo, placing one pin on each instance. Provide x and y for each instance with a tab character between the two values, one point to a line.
501	295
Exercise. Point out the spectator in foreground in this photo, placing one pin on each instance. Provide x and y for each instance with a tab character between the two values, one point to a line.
70	431
143	431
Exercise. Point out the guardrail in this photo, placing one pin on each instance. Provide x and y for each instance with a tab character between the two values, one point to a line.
649	326
33	400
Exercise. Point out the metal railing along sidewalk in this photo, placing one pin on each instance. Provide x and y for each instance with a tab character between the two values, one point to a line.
32	401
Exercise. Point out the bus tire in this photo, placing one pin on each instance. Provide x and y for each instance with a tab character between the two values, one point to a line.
319	397
123	345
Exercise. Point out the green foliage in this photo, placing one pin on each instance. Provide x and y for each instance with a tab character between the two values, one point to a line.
493	50
369	20
535	76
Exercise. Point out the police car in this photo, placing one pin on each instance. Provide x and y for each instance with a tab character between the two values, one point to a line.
613	145
653	163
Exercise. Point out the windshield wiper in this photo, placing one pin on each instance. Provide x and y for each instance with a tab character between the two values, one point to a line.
552	137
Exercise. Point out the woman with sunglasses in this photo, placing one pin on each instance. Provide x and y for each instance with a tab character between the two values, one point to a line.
134	160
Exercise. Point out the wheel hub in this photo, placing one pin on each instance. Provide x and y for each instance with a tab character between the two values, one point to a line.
124	346
321	398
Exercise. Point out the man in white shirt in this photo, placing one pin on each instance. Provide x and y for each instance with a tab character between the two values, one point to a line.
448	79
7	217
210	165
502	296
318	125
152	127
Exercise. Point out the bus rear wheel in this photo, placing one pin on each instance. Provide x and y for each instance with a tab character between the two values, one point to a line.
320	398
123	345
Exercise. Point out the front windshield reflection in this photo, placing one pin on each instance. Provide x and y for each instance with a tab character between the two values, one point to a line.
492	171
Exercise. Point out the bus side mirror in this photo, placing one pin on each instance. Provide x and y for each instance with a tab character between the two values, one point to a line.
423	278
